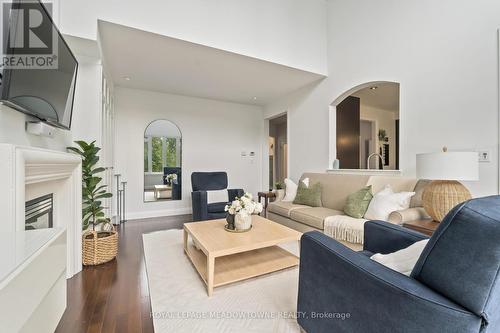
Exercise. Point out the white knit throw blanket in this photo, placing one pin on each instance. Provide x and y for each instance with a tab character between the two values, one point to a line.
345	228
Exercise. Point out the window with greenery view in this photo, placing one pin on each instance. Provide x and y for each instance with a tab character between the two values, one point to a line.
146	159
159	152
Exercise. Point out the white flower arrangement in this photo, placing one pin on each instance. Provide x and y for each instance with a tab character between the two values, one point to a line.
172	176
244	206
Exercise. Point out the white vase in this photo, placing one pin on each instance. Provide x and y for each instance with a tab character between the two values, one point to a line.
280	194
242	223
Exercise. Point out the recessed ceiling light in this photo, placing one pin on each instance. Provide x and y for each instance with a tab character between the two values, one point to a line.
254	98
374	88
126	78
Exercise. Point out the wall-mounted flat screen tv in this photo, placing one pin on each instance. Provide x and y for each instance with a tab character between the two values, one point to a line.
46	90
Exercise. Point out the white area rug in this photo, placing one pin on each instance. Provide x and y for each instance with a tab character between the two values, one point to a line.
180	302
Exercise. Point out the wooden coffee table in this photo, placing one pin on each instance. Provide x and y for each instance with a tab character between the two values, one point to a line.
163	191
226	257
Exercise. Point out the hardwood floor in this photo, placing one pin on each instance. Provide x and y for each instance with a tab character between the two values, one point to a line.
114	297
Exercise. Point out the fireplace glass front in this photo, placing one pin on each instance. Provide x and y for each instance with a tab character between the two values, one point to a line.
39	213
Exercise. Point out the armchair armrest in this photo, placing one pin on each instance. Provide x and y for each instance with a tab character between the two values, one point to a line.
410	214
384	237
235	192
344	291
200	205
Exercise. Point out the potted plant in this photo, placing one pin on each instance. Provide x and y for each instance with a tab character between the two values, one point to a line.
242	209
382	135
279	191
99	246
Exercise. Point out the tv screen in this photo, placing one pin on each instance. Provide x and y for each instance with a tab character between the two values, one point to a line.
44	88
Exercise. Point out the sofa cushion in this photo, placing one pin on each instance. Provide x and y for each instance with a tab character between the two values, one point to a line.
385	202
290	190
216	207
357	203
308	195
404	260
313	216
336	187
283	208
398	184
216	196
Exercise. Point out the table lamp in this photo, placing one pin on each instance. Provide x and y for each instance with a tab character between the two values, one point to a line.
446	169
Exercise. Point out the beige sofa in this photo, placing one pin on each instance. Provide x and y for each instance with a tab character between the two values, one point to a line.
335	189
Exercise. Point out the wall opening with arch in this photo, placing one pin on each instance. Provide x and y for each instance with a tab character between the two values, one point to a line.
365	127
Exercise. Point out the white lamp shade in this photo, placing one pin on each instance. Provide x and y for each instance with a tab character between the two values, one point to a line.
448	166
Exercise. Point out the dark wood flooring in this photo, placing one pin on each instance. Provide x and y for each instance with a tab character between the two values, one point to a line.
114	297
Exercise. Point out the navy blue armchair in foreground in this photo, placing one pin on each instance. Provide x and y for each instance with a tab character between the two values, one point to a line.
210	181
454	286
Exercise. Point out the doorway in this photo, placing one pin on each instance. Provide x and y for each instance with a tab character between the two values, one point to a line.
278	150
367	143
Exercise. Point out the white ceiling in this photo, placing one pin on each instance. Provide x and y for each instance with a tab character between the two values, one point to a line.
85	50
164	64
385	97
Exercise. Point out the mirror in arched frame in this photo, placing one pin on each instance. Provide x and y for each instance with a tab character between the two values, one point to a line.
162	162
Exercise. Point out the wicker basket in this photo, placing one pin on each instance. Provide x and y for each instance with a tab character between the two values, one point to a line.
99	247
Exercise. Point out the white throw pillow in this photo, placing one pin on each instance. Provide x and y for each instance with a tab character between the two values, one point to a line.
217	196
404	260
306	182
385	202
290	190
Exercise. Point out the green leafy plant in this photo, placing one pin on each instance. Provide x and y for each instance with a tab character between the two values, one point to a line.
279	186
92	191
382	135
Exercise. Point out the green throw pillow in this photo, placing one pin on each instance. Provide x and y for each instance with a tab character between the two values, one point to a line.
357	203
310	196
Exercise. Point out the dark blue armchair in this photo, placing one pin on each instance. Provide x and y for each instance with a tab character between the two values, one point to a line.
454	286
208	181
176	183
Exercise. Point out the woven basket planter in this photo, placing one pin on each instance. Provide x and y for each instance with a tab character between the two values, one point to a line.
99	247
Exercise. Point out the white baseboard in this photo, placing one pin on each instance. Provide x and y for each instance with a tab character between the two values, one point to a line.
158	213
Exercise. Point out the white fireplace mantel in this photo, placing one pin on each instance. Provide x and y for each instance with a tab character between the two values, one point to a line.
26	171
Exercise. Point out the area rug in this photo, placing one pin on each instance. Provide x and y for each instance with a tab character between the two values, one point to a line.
180	302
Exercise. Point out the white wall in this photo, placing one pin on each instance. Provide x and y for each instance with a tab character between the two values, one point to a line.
87	124
289	32
12	130
308	124
445	56
213	136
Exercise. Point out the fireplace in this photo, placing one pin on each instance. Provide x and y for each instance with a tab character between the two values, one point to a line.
39	213
27	173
